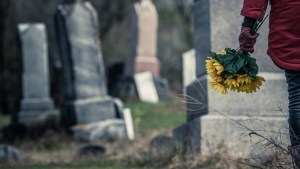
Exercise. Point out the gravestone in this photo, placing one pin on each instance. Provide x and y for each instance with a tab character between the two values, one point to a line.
214	119
144	40
9	154
111	129
128	123
188	67
86	98
145	87
36	103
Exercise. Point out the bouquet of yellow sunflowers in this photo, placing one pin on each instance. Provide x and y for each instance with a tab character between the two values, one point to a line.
234	70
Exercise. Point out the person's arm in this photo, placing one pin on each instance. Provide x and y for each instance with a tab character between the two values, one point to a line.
252	10
248	22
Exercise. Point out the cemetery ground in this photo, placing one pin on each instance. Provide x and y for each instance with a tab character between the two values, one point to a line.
56	150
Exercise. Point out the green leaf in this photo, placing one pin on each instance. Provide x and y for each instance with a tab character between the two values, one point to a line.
213	55
251	67
236	63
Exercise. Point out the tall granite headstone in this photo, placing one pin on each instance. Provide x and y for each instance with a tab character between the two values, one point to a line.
36	102
213	119
86	98
144	40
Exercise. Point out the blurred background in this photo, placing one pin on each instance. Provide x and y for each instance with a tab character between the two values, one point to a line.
175	37
55	147
124	93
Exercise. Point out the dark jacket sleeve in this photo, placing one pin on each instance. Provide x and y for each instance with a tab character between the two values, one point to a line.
248	22
254	8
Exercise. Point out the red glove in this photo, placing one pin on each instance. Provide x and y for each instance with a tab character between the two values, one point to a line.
247	40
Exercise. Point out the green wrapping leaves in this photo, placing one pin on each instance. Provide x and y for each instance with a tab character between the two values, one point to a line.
236	62
251	67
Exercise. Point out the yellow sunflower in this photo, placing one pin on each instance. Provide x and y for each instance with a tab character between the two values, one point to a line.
222	52
243	79
231	81
218	87
247	88
259	81
213	71
253	86
218	67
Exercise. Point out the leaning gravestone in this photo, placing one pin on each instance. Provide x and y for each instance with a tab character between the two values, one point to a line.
111	129
145	87
36	103
214	119
86	98
144	40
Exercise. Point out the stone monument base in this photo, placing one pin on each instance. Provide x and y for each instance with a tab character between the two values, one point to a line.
37	104
237	133
212	133
214	119
33	119
86	111
36	112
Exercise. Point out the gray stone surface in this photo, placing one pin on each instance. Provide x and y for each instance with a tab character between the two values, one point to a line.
145	87
271	100
223	22
85	111
86	97
162	87
206	111
35	73
112	129
9	154
217	26
233	132
196	99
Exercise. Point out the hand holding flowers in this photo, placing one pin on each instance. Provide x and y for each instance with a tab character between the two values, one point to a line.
236	70
232	70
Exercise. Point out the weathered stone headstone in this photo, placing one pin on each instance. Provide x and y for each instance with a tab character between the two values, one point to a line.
189	67
144	40
36	102
86	98
214	119
111	129
9	154
129	124
145	87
